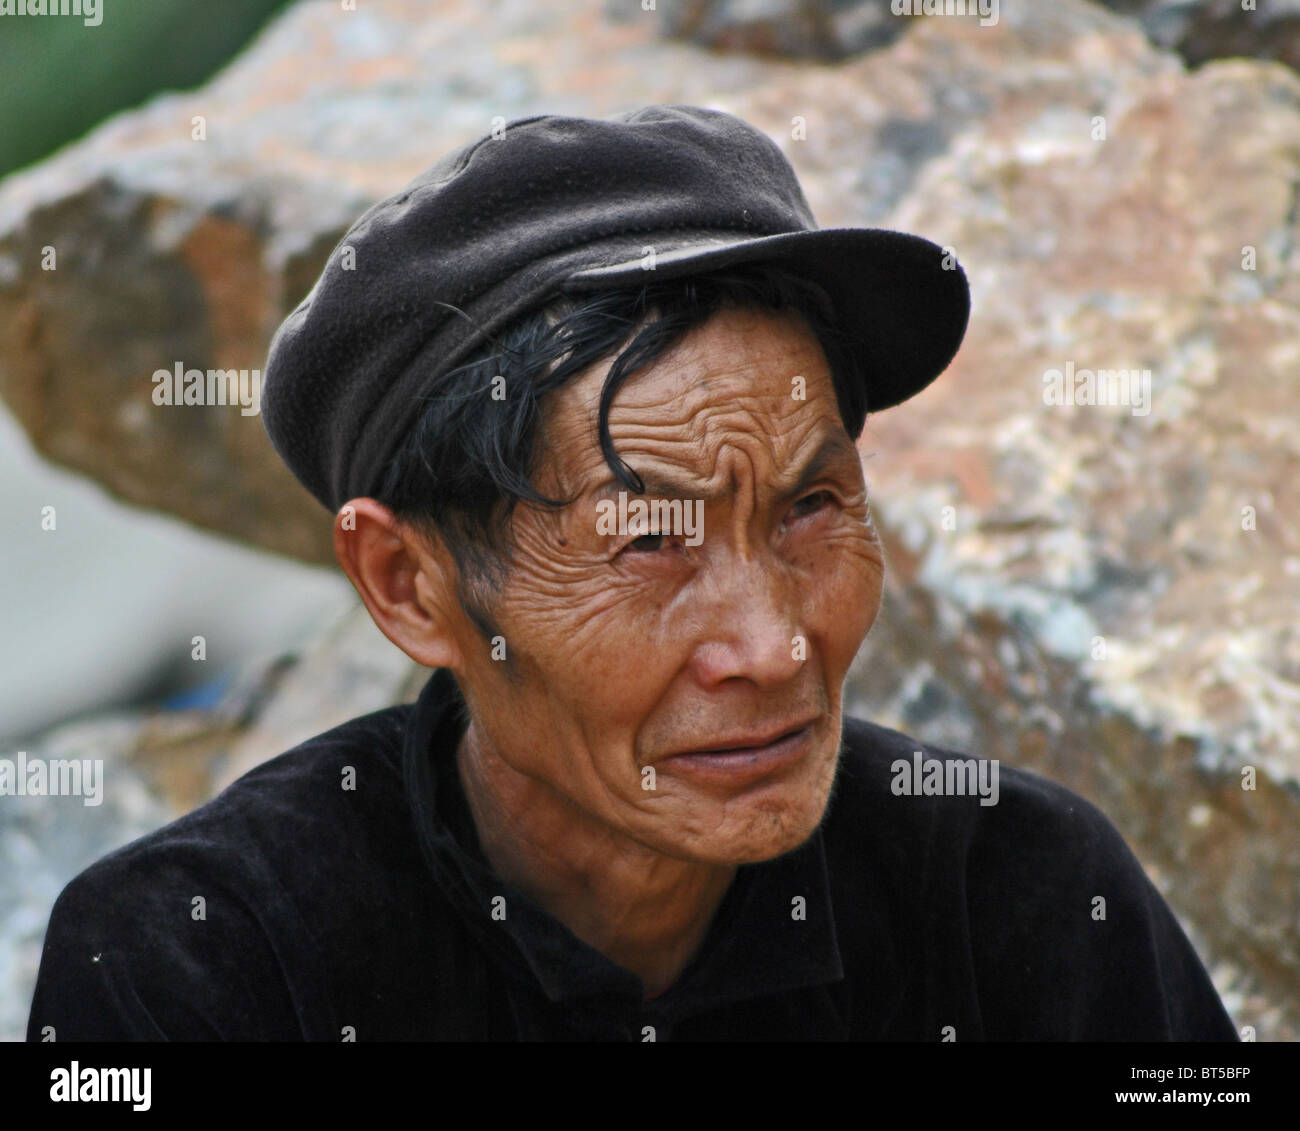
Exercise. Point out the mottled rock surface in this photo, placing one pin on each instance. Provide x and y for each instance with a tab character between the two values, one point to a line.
829	30
820	30
1201	30
1104	595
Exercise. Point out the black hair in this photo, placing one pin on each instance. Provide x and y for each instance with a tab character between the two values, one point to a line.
469	459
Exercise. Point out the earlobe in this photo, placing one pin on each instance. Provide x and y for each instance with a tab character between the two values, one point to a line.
399	579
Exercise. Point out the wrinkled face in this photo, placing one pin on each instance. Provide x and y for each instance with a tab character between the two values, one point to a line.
639	660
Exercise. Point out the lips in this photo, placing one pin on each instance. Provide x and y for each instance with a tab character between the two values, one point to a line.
741	761
752	742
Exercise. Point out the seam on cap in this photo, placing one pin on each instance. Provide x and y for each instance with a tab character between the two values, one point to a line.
464	296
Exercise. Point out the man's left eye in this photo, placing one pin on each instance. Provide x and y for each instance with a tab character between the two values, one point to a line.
647	543
810	504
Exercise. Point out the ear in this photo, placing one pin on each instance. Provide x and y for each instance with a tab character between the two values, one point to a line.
406	586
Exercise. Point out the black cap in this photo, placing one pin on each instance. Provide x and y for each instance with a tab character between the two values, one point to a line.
553	204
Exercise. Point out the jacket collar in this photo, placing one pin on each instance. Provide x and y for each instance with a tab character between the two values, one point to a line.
755	947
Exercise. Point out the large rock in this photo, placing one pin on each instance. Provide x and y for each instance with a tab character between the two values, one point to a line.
822	30
828	30
1201	30
1106	596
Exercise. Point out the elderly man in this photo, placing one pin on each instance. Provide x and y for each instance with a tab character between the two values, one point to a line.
583	399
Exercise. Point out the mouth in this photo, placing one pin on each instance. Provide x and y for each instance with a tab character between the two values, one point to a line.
744	758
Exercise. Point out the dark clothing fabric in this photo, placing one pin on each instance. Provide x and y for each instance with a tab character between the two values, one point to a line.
332	912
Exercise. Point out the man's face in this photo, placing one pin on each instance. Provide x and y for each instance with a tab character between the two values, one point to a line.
631	652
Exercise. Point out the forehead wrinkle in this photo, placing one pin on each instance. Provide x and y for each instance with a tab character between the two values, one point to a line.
686	398
833	444
688	461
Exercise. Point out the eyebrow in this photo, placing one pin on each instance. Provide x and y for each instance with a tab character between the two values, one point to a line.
835	446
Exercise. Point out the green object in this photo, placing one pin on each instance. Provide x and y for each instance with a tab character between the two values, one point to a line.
60	77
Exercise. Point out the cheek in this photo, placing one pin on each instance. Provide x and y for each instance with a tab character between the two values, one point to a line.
585	661
569	609
844	576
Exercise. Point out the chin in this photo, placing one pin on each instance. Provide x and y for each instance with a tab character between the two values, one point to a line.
759	824
764	828
773	835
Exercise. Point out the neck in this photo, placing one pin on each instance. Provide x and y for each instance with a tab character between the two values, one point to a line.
647	912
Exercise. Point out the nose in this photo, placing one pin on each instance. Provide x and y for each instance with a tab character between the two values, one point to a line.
749	625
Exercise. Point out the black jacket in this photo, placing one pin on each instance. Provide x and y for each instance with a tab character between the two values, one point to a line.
329	913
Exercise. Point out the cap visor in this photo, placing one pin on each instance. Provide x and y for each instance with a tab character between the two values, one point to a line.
901	301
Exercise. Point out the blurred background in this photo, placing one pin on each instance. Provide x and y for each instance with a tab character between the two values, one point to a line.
1105	596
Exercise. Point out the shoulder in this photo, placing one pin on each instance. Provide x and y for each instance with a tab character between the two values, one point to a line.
1003	831
976	803
139	941
316	784
1022	884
